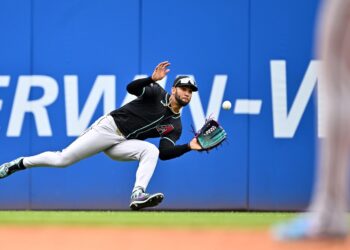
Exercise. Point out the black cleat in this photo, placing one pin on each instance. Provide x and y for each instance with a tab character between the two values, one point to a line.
9	168
143	200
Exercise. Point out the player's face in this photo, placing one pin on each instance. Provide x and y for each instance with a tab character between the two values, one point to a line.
183	95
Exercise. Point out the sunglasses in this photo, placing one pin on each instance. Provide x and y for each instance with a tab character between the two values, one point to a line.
186	80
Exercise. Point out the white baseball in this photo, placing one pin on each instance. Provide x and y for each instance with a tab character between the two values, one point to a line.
226	105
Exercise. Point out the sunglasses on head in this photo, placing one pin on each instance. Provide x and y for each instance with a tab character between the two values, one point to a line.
186	80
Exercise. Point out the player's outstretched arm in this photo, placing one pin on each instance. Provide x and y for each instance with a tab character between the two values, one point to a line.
168	150
136	87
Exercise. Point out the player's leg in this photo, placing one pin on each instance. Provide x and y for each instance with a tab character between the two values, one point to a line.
327	212
330	196
327	217
136	150
147	154
100	136
328	208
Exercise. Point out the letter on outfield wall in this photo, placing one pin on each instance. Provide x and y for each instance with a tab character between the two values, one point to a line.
104	86
4	82
38	107
214	104
286	123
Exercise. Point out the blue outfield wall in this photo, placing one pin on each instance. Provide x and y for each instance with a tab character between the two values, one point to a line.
65	63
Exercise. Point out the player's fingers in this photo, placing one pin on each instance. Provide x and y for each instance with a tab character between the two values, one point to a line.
159	65
163	64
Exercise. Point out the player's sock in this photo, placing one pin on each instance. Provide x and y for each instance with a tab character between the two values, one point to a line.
16	167
137	190
21	164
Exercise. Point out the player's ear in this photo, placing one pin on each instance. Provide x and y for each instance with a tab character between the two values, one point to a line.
173	90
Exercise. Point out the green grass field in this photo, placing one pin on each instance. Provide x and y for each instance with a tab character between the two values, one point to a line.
144	219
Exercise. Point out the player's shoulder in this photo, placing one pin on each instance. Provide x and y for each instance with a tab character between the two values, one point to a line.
153	92
158	87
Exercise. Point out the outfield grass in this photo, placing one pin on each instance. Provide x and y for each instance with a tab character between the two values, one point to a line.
146	219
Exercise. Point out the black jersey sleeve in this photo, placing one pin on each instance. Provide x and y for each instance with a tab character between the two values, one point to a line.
144	88
137	87
167	149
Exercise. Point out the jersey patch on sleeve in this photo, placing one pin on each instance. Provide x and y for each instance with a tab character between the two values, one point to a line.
165	129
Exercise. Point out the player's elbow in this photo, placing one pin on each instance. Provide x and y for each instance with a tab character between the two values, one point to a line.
129	88
164	156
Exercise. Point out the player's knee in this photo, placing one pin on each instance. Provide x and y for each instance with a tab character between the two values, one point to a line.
152	151
63	160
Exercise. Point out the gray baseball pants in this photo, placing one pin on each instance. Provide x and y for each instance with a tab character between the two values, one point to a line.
104	136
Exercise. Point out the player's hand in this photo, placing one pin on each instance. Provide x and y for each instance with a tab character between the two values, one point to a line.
194	145
160	71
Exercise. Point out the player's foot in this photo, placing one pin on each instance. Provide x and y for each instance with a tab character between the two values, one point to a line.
9	168
140	199
301	228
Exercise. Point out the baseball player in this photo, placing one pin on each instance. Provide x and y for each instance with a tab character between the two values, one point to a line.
121	134
327	211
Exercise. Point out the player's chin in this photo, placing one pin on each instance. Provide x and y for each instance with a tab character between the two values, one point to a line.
184	102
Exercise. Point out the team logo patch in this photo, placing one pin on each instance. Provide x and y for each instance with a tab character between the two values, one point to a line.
165	129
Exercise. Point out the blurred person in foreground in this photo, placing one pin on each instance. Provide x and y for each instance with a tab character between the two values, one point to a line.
327	213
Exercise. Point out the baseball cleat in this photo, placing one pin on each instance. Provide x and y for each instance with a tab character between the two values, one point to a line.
142	200
296	229
301	228
9	168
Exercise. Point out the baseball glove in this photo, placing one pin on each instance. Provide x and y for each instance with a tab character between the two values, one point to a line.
210	135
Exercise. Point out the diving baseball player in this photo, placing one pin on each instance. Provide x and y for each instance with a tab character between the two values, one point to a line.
121	134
